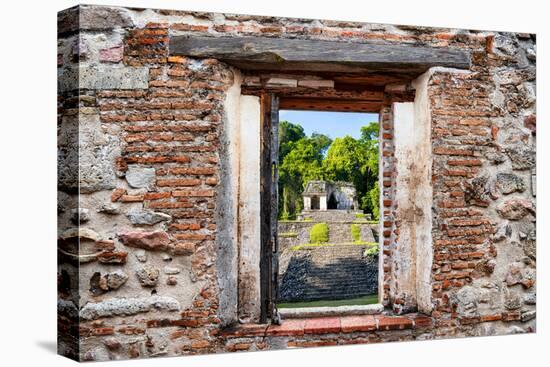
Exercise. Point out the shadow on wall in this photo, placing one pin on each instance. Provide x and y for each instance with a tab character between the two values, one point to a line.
306	279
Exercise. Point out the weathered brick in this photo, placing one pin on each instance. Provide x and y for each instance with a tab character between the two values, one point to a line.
196	193
358	323
179	182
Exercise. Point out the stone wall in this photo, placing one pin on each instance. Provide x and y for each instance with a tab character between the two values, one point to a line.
145	250
333	215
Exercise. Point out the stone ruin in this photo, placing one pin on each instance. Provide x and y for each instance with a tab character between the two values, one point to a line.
339	270
165	172
329	201
325	195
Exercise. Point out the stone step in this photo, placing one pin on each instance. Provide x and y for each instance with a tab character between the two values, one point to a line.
331	272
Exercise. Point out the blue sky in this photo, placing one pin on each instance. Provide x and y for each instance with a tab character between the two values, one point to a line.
333	124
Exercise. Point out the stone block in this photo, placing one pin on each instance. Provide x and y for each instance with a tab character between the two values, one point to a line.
522	156
111	54
140	177
152	241
103	18
127	306
508	183
147	217
102	77
516	209
97	153
148	276
528	315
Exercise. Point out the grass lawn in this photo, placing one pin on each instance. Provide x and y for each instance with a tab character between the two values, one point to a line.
365	300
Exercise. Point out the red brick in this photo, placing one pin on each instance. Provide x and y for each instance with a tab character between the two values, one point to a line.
452	151
183	248
422	321
192	171
290	327
156	195
185	323
189	27
245	330
358	323
320	325
103	331
112	257
130	330
195	313
177	59
470	320
191	236
199	344
191	193
271	29
117	194
179	182
185	226
239	346
495	317
393	323
131	198
105	245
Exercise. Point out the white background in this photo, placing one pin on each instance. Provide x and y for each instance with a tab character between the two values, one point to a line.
28	182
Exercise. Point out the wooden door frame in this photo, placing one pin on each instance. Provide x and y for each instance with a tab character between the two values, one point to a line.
269	160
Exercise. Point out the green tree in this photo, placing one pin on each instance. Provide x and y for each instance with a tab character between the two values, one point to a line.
300	160
288	134
356	161
321	142
303	158
345	161
370	199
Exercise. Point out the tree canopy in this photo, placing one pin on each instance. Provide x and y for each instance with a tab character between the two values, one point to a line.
317	157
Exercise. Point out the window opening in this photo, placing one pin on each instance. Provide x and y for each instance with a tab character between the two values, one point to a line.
328	209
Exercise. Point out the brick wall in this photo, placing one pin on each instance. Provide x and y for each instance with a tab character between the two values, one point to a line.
145	132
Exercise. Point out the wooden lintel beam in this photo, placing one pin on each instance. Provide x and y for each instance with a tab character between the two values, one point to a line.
324	93
254	53
323	104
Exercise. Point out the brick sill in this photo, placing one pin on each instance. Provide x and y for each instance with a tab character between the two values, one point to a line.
331	325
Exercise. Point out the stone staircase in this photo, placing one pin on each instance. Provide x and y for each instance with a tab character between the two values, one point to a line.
329	273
